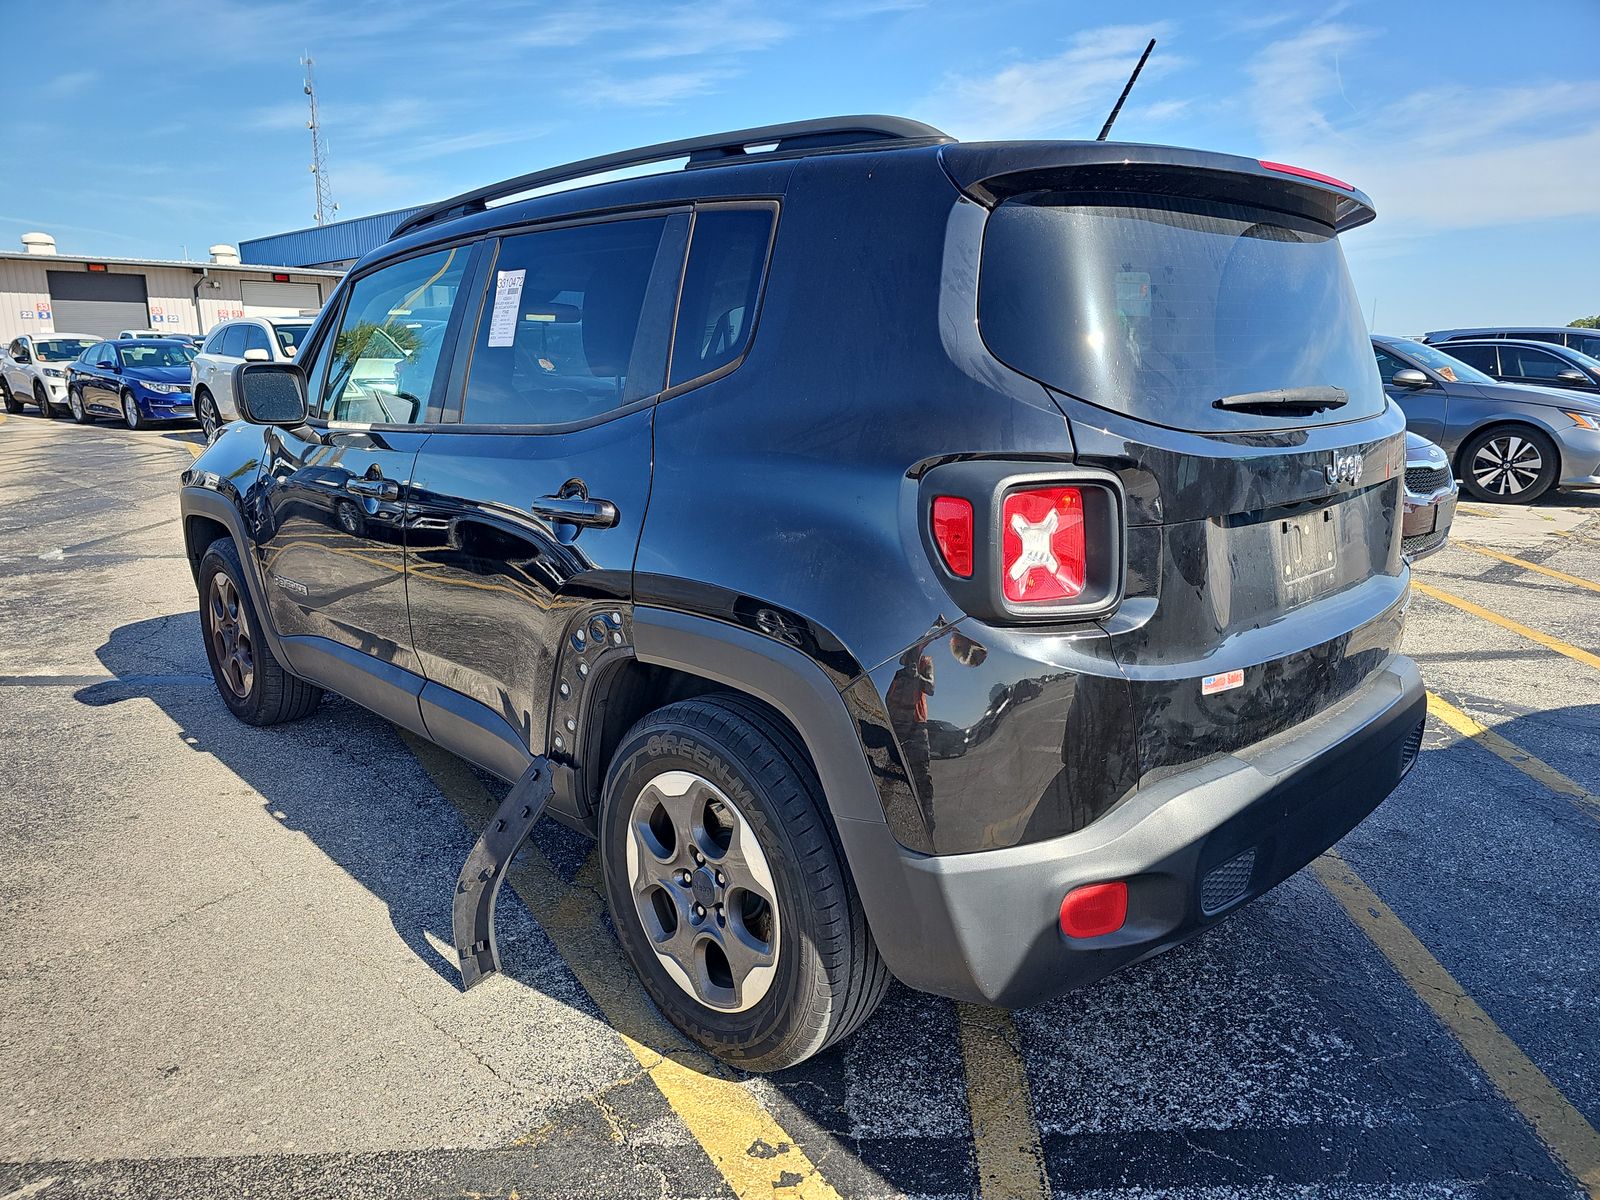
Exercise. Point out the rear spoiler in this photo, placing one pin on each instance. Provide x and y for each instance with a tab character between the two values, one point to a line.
989	172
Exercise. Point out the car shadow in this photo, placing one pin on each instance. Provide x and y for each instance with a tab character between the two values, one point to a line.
342	777
1253	1019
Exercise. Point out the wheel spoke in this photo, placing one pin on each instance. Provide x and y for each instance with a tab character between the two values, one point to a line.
703	890
747	951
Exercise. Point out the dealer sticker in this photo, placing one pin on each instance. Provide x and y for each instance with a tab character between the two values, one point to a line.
1212	684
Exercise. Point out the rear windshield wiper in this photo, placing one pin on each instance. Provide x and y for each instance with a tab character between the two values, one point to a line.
1285	400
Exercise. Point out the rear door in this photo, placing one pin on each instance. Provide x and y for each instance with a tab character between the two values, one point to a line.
334	490
528	508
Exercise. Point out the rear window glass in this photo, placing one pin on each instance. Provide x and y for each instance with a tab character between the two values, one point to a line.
720	289
557	336
290	336
1158	306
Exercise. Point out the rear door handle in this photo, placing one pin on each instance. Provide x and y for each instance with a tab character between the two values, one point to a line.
378	489
577	510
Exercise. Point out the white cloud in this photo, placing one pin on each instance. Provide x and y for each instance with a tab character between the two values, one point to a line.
1431	159
1070	92
654	91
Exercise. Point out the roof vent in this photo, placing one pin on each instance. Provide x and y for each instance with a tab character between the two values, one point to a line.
38	243
226	255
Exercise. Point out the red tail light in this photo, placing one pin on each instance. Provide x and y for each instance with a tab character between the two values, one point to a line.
952	533
1042	553
1094	909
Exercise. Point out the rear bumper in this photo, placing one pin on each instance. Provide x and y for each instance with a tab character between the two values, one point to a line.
1193	847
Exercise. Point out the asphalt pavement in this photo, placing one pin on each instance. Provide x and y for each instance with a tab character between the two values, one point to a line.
225	962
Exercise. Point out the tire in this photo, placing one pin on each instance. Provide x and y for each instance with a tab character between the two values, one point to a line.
210	419
130	411
733	775
254	686
80	414
13	405
1509	464
42	399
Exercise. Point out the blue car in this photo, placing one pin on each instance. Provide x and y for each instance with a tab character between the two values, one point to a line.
141	380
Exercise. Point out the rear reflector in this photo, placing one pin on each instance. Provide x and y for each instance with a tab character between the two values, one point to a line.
1042	550
1094	909
952	533
1303	173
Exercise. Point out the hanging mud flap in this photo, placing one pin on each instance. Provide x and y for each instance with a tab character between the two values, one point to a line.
472	913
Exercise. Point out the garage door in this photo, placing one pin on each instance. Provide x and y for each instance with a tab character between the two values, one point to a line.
278	299
97	302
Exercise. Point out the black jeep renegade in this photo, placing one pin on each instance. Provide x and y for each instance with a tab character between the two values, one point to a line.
978	564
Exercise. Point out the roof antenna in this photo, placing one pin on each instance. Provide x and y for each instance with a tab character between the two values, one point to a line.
1128	87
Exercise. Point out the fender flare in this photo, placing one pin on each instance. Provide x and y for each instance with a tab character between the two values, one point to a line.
203	502
797	687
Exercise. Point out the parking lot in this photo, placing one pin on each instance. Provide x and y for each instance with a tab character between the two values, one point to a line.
225	962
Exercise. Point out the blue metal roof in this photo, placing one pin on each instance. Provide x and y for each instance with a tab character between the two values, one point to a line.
334	242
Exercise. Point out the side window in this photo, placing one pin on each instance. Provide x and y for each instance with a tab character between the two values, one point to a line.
1540	335
560	325
233	342
1531	364
255	338
386	349
1481	357
15	348
108	355
721	289
1388	364
1585	343
213	343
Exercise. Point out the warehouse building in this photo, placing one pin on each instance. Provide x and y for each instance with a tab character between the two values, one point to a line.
336	245
44	292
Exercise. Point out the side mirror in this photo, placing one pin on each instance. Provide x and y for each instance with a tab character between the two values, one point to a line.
269	393
1572	375
1410	377
114	367
257	354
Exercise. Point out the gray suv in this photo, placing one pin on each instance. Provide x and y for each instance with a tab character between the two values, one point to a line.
1509	443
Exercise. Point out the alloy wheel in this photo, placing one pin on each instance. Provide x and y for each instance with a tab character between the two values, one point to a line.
75	402
42	399
130	410
1507	465
230	636
703	891
210	424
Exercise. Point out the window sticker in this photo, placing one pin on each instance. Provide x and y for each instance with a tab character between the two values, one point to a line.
1448	374
507	300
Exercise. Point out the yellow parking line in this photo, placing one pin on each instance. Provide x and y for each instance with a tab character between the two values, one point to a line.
1534	768
1005	1136
1561	1127
1574	580
745	1143
1534	635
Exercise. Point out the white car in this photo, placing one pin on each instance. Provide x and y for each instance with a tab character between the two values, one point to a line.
140	333
33	370
250	339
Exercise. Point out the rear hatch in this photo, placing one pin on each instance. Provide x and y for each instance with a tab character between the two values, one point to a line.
1193	317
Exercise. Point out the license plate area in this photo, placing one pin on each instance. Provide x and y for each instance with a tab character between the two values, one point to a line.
1307	546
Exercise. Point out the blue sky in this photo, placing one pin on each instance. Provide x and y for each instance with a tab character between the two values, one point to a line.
1477	135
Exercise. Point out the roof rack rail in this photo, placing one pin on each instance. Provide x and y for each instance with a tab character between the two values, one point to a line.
822	133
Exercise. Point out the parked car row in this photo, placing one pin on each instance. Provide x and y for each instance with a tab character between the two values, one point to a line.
1507	440
140	376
